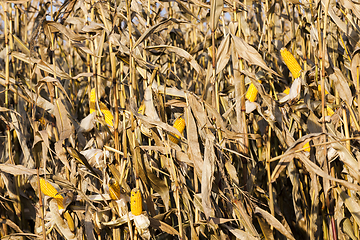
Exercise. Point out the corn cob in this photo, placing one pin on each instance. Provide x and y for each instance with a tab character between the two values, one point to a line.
104	110
306	147
319	89
287	90
252	92
179	124
136	202
49	190
114	189
330	112
69	220
291	63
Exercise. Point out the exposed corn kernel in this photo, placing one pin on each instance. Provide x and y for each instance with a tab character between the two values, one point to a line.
180	126
104	110
291	63
136	202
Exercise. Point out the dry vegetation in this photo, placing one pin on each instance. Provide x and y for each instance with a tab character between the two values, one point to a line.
90	91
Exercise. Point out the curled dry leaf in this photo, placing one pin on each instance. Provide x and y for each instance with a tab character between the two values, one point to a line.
208	177
274	222
16	169
351	204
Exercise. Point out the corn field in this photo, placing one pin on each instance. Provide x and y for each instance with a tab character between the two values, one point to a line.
183	119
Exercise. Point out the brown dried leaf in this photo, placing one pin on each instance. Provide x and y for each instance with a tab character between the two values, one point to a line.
208	176
342	85
28	160
347	158
54	81
193	143
150	110
351	204
59	221
355	64
63	123
216	7
69	33
47	67
184	54
155	28
240	234
157	224
16	169
244	218
249	54
274	222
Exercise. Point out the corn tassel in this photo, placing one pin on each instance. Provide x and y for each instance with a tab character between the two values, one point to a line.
104	110
136	202
252	92
114	189
180	126
291	63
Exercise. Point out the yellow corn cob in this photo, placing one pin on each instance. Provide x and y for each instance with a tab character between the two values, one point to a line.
180	126
330	112
136	202
252	92
70	221
114	189
49	190
287	90
306	147
319	89
92	95
104	110
291	63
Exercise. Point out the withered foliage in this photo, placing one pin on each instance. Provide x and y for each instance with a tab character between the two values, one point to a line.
90	91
